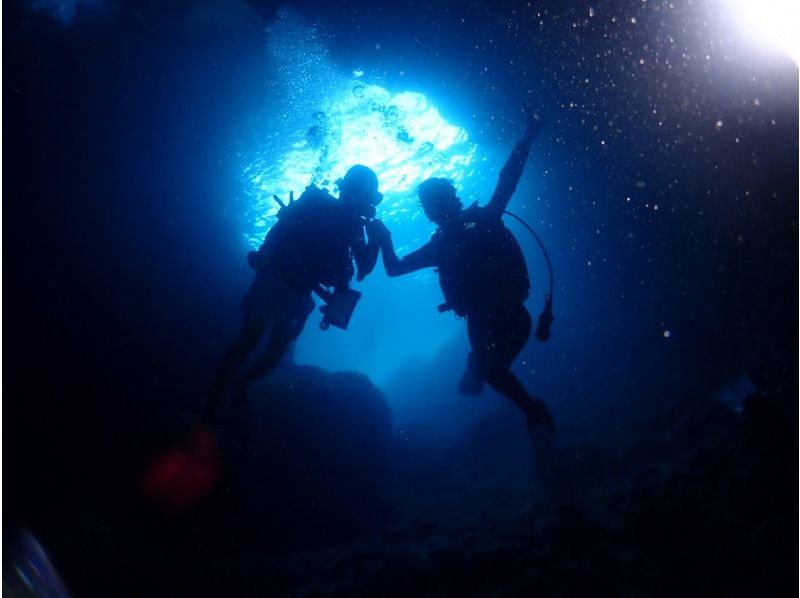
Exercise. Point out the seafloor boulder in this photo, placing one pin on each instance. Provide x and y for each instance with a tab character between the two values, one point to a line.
307	460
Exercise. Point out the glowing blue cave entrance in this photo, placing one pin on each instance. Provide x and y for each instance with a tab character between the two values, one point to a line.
321	121
401	136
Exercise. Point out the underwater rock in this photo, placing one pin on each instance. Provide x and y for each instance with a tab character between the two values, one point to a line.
309	459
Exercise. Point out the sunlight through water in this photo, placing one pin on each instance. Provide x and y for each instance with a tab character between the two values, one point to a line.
402	136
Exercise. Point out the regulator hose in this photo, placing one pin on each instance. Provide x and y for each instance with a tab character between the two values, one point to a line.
546	317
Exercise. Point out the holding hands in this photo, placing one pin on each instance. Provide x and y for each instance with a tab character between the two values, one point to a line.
378	232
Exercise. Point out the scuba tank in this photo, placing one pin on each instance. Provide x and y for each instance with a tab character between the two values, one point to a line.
341	302
507	268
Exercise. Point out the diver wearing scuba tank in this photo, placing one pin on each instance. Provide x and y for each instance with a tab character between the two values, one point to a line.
483	276
312	246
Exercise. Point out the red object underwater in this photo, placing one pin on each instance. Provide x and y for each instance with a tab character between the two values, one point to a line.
180	478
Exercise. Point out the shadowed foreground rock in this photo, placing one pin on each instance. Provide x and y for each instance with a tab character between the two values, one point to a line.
307	459
305	465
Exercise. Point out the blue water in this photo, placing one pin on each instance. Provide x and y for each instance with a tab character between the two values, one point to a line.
405	137
143	145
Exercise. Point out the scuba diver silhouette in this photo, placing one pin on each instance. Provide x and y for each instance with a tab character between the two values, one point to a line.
310	247
483	276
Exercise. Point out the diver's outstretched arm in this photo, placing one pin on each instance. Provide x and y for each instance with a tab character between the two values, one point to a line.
424	257
512	171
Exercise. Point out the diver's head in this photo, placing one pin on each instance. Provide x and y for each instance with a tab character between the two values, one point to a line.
439	200
359	190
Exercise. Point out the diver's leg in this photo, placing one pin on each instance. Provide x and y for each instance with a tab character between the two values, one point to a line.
286	328
279	340
248	339
498	338
508	333
541	429
507	384
277	343
474	376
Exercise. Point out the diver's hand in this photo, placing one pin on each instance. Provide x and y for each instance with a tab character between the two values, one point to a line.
378	232
533	122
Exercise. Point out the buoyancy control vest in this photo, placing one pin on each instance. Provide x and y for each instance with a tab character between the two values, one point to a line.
309	245
480	263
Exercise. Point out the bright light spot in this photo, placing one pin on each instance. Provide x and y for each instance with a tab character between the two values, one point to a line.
667	334
774	22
